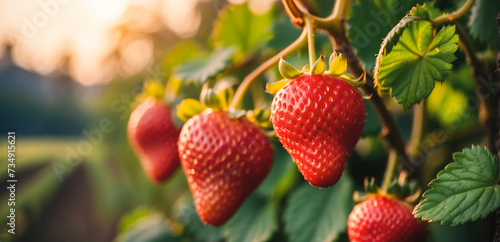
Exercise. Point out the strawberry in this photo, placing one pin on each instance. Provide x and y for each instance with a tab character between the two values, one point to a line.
153	137
318	119
384	219
224	159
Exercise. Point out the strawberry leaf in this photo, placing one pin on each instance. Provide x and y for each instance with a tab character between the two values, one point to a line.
370	22
239	27
178	54
465	190
482	22
319	215
201	70
417	61
427	11
256	220
418	12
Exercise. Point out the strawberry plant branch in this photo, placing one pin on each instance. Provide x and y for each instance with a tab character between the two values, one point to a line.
496	130
335	19
417	130
293	12
390	132
477	72
389	170
238	96
259	100
487	103
310	40
203	93
450	17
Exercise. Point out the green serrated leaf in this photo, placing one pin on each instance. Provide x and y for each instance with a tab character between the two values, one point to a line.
287	70
314	214
188	108
179	53
482	23
201	70
241	28
369	23
465	190
427	11
319	66
391	39
417	61
256	220
273	88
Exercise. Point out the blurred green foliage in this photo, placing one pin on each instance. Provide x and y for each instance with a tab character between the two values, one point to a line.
124	203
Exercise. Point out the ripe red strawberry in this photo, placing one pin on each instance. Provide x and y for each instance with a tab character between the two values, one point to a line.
224	160
384	219
153	137
318	119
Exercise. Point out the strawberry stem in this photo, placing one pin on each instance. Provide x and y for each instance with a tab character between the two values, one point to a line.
389	170
310	40
417	130
333	22
172	89
238	96
293	12
390	132
203	93
449	17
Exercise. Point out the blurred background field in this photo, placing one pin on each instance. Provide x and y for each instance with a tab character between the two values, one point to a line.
69	74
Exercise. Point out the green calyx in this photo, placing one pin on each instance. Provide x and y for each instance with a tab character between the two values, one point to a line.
401	189
188	108
288	71
261	117
217	98
153	88
337	66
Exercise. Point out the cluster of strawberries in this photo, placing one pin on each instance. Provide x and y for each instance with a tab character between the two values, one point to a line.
317	118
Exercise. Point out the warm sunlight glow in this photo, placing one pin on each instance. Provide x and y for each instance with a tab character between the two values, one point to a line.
185	20
94	40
